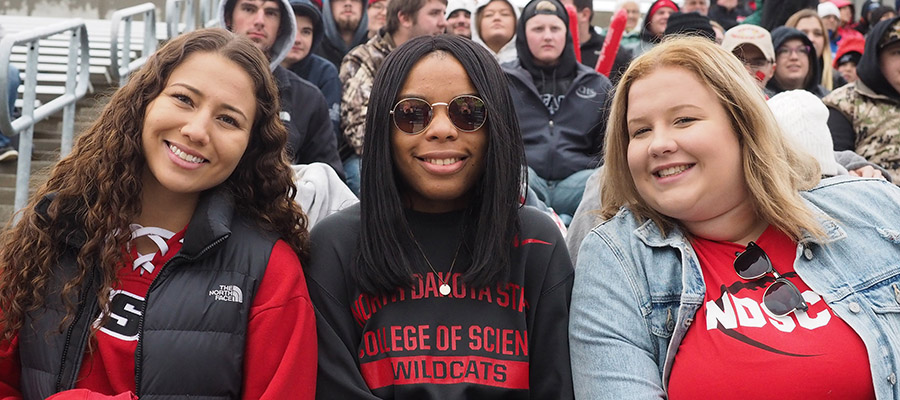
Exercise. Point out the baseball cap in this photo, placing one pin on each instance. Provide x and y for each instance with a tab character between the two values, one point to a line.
750	34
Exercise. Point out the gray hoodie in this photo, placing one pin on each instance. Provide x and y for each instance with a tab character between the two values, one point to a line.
507	53
333	48
304	110
287	29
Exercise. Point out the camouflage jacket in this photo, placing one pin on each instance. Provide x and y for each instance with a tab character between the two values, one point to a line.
357	74
876	123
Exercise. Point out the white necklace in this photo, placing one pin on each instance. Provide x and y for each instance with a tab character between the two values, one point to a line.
445	286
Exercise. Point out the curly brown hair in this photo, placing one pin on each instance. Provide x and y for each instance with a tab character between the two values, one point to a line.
97	188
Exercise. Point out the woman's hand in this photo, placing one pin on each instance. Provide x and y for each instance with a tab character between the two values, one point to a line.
867	172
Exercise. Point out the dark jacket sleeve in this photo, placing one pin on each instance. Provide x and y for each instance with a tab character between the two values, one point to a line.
331	253
841	128
549	368
321	143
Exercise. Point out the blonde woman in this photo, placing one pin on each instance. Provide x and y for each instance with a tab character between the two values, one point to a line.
723	256
808	22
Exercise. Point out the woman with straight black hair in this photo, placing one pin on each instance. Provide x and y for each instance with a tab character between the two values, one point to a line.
439	284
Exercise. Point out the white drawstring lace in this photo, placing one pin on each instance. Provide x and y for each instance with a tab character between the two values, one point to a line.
159	236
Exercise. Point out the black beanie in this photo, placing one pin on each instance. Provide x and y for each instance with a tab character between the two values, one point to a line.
690	24
567	63
850	56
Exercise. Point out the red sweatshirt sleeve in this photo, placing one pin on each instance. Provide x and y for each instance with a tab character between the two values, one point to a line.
280	357
10	372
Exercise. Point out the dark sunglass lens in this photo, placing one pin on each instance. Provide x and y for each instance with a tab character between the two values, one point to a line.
782	297
467	112
752	263
412	115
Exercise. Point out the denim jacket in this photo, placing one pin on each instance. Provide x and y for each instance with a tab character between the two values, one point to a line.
636	290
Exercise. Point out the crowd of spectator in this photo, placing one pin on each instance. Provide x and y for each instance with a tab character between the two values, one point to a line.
774	107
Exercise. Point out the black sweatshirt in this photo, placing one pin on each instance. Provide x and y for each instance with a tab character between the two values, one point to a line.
505	341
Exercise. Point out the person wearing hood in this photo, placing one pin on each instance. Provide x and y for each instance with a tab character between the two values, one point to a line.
848	55
848	13
864	116
494	27
654	25
459	17
560	104
809	22
865	15
796	65
346	25
592	41
315	69
883	13
270	24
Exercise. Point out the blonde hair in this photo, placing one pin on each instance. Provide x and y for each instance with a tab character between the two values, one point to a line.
545	6
773	171
827	70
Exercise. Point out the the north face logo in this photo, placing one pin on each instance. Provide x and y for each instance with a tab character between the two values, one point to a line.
228	293
585	92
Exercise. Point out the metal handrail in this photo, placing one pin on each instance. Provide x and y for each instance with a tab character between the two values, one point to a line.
179	17
120	64
209	17
77	81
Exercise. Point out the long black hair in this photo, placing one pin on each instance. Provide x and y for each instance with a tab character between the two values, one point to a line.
492	223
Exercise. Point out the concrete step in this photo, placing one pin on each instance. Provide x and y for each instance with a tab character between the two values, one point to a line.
6	212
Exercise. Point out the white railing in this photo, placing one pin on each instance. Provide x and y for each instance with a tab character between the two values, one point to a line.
120	63
77	81
179	17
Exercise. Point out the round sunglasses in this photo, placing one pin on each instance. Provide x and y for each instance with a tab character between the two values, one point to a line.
413	115
781	297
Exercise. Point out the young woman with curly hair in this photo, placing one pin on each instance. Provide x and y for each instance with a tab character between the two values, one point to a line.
162	257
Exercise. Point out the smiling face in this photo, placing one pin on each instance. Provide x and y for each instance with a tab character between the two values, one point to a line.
683	155
460	23
659	20
439	166
257	19
197	129
792	64
546	37
632	15
377	13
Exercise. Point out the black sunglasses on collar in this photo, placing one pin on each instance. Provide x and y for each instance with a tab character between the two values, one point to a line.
781	297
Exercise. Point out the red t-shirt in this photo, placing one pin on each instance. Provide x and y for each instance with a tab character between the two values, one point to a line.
736	350
281	318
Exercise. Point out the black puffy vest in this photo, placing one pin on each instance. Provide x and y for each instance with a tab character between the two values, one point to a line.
193	326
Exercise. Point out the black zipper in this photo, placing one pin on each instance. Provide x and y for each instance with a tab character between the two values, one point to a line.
138	353
78	315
